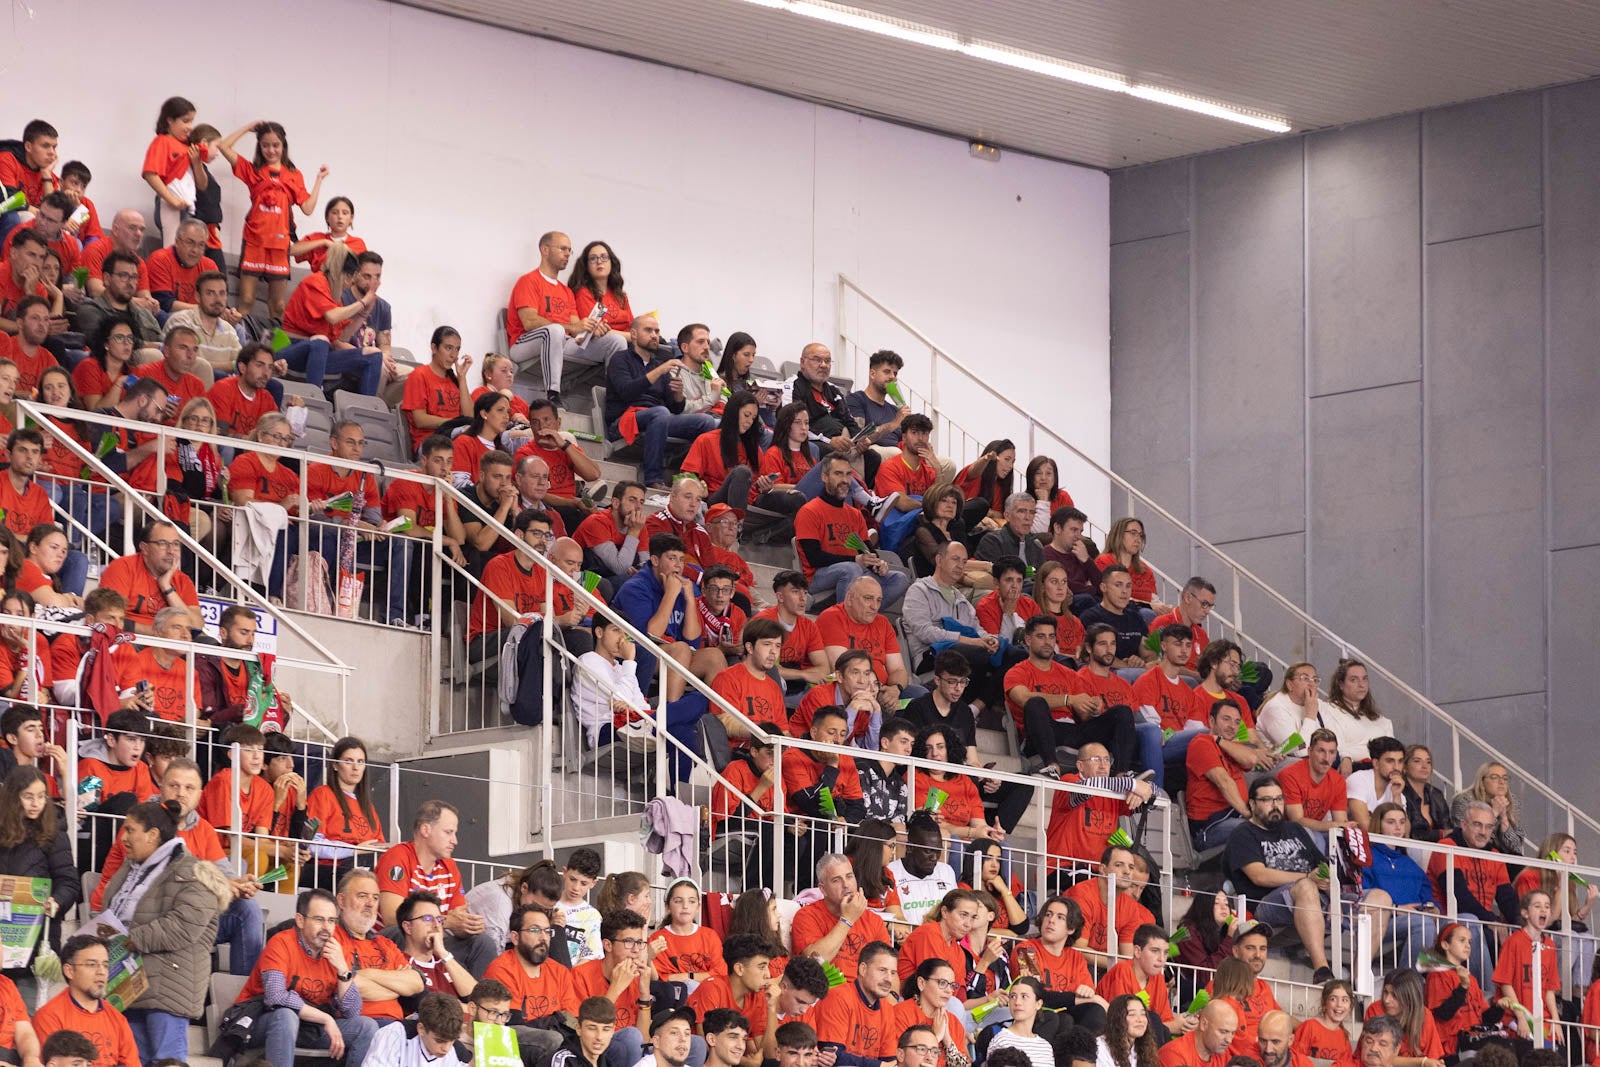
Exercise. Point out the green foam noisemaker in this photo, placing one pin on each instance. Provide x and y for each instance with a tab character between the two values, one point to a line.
1201	999
1120	838
280	339
825	802
591	581
1242	734
1250	672
855	544
1575	876
982	1011
935	800
1152	641
1180	934
1143	997
1290	744
709	373
834	976
277	874
1321	871
893	389
15	202
344	502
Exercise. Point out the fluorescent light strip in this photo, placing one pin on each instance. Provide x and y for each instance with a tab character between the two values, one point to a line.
1032	62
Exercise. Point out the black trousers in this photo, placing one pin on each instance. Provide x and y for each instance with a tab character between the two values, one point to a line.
1112	728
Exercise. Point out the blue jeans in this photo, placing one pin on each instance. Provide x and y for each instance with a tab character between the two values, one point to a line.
278	1030
74	572
158	1035
95	507
1154	752
1415	929
655	426
1215	831
315	358
241	929
838	576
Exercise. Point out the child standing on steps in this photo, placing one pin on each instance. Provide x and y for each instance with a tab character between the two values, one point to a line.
276	187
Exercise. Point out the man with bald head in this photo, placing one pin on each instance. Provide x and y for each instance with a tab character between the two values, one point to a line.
533	484
1274	1036
127	230
857	622
567	555
1207	1044
642	391
827	406
542	323
173	271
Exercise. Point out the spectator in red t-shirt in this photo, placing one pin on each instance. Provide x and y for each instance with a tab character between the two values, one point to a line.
542	320
173	271
1055	708
23	275
1313	788
317	323
180	349
727	458
596	279
1216	764
276	189
31	172
433	396
82	1008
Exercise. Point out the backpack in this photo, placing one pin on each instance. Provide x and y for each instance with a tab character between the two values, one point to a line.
522	672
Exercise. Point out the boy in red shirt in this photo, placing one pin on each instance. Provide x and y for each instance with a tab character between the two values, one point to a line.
255	794
122	772
32	172
748	685
622	976
1513	972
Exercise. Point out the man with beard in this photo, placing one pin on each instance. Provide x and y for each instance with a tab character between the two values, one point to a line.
383	974
119	295
303	977
1221	666
1273	1037
855	1016
81	1007
213	321
641	386
422	930
540	987
1275	862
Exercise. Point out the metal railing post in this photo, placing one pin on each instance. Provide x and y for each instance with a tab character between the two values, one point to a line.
547	728
780	838
235	814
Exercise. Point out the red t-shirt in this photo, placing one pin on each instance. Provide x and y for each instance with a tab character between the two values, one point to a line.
274	191
89	378
705	459
216	805
1053	679
168	275
829	524
1144	579
697	952
1318	1041
115	780
410	496
308	304
239	412
990	616
1204	798
270	487
1183	1052
1063	973
1202	698
335	825
323	482
589	980
67	248
166	683
598	528
180	390
400	872
876	637
1121	981
15	174
699	552
465	452
534	997
502	576
548	299
314	979
927	941
1317	799
617	315
106	1027
799	642
1080	832
1250	1010
23	511
94	258
725	804
843	1018
1484	874
1111	689
1432	1047
1171	699
759	698
817	698
428	390
1201	638
167	158
563	479
30	579
962	803
377	953
1515	967
772	462
814	921
316	257
30	368
895	475
129	576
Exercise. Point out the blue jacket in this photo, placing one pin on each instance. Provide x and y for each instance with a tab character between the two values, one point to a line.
1397	874
637	601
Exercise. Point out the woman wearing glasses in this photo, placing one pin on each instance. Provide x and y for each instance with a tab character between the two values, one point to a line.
1297	708
925	1000
1492	786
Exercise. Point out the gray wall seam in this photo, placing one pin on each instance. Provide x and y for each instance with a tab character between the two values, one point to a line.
1306	496
1486	233
1547	511
1147	237
1424	524
1365	388
1194	372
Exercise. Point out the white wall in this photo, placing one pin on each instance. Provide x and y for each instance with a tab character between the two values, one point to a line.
460	144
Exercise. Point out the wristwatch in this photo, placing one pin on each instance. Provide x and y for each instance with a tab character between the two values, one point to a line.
346	976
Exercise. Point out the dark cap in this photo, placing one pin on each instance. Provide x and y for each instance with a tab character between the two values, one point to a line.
658	1019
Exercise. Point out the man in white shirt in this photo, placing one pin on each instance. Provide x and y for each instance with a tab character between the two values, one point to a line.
439	1023
608	686
1385	783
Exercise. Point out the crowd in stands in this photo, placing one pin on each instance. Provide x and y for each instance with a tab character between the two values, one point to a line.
923	601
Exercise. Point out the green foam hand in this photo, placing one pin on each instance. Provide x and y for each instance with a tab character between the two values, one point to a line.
1120	838
1201	999
834	976
893	390
855	544
1242	734
1290	744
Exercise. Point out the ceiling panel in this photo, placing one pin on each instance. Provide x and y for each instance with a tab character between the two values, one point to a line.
1310	62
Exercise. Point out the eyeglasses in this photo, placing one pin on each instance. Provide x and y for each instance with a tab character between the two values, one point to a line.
125	275
279	438
922	1050
599	257
429	920
942	983
629	942
494	1016
542	931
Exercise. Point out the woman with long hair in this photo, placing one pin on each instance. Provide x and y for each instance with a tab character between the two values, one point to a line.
170	902
940	522
316	321
1025	999
28	682
1578	945
346	817
988	962
596	279
985	483
787	459
56	390
12	556
737	372
927	998
961	810
1411	914
33	844
276	189
872	847
41	570
1426	806
491	417
1043	481
1209	921
1235	982
99	379
755	914
1326	1036
194	471
1128	1039
1405	999
725	458
1125	544
1296	708
682	950
1492	786
988	856
1351	714
1052	591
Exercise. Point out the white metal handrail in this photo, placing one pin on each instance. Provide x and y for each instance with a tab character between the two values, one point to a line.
1036	426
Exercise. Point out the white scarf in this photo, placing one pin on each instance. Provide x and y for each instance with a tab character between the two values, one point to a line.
141	876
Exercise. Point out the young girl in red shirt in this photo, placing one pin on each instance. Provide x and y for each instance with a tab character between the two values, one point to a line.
275	187
168	165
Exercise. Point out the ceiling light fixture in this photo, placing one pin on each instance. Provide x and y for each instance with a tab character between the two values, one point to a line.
1032	62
